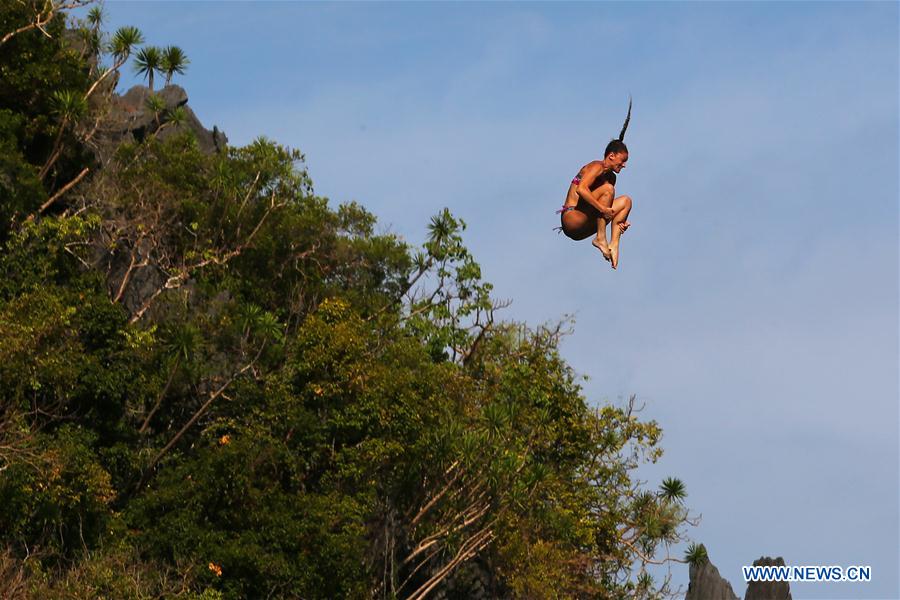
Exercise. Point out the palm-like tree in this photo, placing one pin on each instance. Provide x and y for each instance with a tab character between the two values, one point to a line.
95	17
174	60
182	347
123	41
673	489
68	107
177	116
147	62
156	105
695	553
92	35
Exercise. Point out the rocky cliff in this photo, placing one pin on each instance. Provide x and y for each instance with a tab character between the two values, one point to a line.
130	118
707	584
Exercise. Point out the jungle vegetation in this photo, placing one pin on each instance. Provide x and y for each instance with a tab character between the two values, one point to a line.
216	384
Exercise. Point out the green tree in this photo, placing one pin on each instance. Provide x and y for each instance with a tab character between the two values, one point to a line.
38	14
120	48
95	17
36	124
147	62
214	382
68	107
174	60
157	105
124	41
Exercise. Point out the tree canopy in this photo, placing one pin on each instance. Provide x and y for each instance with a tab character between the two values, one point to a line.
216	384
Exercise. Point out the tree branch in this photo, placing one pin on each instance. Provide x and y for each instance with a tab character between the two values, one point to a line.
439	495
469	549
185	271
40	19
196	416
162	395
58	194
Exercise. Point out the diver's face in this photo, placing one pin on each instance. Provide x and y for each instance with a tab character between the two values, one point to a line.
617	161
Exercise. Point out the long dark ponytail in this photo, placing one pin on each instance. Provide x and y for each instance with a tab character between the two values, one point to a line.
618	145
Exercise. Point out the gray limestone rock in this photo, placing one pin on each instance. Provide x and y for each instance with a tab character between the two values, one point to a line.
707	584
129	119
142	283
209	141
471	581
768	590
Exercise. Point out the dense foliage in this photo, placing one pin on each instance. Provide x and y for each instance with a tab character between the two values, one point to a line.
213	384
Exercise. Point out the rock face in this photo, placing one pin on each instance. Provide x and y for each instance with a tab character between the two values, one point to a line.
707	584
129	120
768	590
470	582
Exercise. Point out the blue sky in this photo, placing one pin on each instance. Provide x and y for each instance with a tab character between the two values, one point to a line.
755	310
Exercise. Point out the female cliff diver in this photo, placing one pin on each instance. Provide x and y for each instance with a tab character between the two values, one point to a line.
591	201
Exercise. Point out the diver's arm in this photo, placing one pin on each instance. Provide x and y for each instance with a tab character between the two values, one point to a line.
591	174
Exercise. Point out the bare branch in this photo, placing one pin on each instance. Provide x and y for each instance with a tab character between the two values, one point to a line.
468	550
68	249
160	397
59	194
418	566
44	16
650	561
197	414
469	515
247	198
132	264
100	79
439	495
182	273
409	285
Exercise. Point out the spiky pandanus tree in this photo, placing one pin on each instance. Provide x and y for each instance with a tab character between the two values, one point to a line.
95	17
121	46
68	107
147	62
174	60
176	116
156	105
91	34
124	41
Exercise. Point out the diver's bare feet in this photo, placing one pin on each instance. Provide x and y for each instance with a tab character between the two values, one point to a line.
601	245
614	255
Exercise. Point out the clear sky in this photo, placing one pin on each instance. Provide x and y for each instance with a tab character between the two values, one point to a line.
755	309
